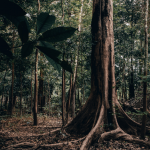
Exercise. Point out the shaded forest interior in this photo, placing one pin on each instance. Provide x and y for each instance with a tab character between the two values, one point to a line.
74	74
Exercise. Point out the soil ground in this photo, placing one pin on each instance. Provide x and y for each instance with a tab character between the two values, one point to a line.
18	133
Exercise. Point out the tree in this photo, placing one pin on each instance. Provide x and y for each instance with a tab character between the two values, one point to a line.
143	130
44	22
99	112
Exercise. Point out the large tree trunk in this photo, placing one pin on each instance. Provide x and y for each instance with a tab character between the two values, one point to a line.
100	106
102	71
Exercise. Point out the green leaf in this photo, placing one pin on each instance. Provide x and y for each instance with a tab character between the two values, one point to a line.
23	27
10	8
27	49
5	49
66	66
57	34
48	49
55	63
44	22
23	32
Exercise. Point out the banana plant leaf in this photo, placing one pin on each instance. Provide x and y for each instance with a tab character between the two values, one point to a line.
23	27
57	34
27	49
44	22
10	8
5	49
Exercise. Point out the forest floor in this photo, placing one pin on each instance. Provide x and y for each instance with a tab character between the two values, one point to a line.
18	133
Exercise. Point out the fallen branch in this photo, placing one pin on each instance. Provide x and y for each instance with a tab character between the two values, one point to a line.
61	144
24	144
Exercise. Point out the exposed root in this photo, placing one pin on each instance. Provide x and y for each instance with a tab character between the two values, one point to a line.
84	120
86	143
120	134
115	134
133	125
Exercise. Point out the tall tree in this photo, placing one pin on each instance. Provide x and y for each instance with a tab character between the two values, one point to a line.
12	85
99	109
36	81
63	78
143	130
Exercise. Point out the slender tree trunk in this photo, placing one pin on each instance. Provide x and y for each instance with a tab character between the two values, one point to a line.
79	102
123	78
40	95
141	60
36	89
63	79
49	99
76	64
2	99
83	93
131	86
73	102
20	94
74	89
3	90
63	97
12	85
14	102
31	87
36	82
143	130
69	99
6	101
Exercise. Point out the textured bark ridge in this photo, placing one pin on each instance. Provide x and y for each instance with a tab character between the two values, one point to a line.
99	113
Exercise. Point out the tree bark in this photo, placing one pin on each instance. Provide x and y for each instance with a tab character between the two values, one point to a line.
143	129
3	90
12	85
102	67
20	94
36	82
63	79
102	104
131	83
36	89
69	99
40	94
5	103
63	97
49	99
31	88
